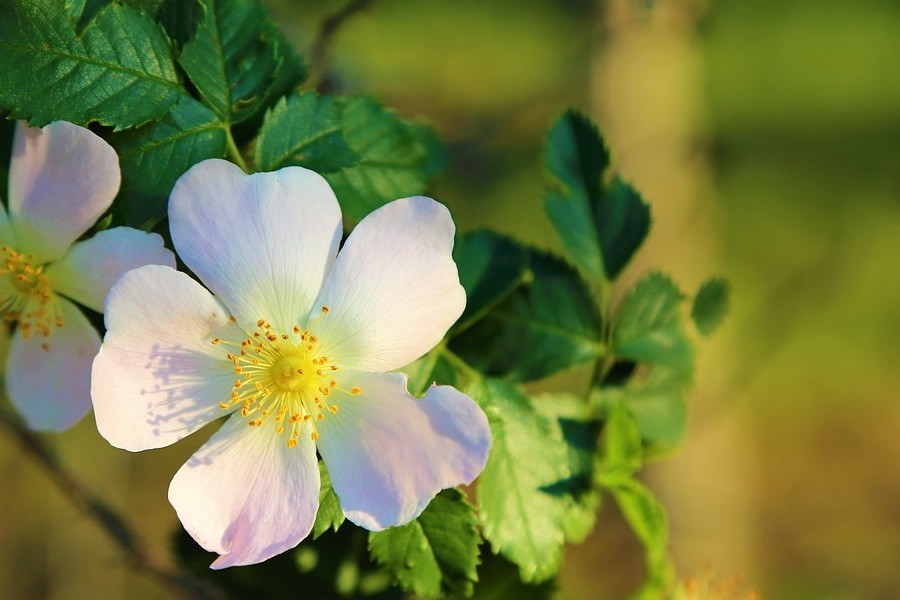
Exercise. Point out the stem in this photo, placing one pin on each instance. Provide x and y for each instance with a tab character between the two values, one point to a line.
460	364
183	584
232	150
318	55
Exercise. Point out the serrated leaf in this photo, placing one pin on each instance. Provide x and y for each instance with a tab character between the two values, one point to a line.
437	552
547	325
490	268
601	226
524	492
154	156
658	404
330	516
305	130
118	71
392	159
579	432
235	62
648	325
710	305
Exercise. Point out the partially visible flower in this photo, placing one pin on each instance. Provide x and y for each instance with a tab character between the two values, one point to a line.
708	587
295	346
61	179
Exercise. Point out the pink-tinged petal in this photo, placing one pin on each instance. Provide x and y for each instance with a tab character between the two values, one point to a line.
246	495
61	179
158	377
394	290
90	268
261	243
49	378
388	454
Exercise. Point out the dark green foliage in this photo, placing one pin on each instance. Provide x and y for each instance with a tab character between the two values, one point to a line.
710	305
304	130
547	325
392	159
154	156
236	60
601	225
490	268
48	72
437	552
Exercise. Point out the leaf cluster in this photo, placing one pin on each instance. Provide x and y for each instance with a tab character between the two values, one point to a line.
172	82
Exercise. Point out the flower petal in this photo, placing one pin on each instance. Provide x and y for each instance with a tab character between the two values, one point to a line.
61	179
52	388
261	243
388	454
158	377
394	290
246	495
90	268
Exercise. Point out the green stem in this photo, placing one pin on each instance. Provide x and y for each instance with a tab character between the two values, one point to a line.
460	364
232	150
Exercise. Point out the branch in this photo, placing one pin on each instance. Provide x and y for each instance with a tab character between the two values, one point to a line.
183	584
318	55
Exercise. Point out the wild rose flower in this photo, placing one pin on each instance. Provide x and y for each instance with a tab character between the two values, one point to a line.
61	179
294	343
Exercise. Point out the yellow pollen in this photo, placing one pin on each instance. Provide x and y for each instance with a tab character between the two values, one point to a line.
355	391
283	385
32	304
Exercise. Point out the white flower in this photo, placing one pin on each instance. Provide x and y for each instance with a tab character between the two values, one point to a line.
294	345
61	179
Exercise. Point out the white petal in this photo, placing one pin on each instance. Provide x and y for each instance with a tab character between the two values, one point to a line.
158	377
388	454
262	243
394	290
61	179
52	387
90	268
246	495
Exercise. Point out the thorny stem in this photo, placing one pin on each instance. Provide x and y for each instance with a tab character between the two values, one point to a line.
183	584
318	55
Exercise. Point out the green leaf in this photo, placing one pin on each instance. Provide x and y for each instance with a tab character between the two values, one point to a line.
490	268
710	305
392	159
235	60
433	368
118	72
330	515
438	552
547	325
154	156
601	226
657	402
574	423
622	453
648	326
304	130
525	491
647	519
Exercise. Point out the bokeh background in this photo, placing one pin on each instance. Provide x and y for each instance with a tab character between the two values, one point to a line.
766	136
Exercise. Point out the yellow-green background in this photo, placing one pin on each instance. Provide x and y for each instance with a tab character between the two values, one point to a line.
766	136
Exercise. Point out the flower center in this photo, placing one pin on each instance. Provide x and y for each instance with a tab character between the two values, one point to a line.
282	378
30	301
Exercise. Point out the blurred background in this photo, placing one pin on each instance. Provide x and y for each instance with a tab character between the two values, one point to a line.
766	136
